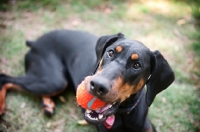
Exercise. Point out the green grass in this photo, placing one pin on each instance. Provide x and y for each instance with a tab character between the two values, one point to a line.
175	109
196	39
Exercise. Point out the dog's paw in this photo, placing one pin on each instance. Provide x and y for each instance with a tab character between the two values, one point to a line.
48	111
48	107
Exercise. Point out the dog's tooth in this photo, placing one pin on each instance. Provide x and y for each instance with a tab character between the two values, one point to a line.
88	111
90	118
110	106
88	115
114	103
100	116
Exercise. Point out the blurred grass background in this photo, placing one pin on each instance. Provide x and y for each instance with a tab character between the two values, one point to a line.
169	26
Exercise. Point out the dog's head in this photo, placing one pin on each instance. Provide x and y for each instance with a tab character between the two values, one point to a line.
123	68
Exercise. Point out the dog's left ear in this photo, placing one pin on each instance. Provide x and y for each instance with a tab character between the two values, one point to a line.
161	76
105	41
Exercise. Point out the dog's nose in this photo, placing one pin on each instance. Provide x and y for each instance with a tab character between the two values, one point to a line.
99	86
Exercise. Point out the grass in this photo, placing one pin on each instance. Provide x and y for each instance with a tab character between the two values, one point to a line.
161	25
177	112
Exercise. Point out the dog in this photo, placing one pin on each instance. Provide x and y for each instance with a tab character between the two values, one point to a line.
123	73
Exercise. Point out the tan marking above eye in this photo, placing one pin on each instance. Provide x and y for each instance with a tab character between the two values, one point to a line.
134	56
119	48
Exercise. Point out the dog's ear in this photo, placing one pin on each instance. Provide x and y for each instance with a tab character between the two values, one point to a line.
105	41
161	76
29	43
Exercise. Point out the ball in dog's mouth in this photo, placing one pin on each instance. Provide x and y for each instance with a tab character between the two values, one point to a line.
97	111
101	114
87	100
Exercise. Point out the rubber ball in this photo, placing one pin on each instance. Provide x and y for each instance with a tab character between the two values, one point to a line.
86	100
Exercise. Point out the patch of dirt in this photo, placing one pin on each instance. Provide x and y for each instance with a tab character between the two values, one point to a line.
3	62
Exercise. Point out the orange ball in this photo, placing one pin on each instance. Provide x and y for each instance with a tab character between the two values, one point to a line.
86	100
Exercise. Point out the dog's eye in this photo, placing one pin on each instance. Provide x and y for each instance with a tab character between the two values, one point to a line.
110	53
136	65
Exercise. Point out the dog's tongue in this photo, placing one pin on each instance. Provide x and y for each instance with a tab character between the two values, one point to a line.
109	121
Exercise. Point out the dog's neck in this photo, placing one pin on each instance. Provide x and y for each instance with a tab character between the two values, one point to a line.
130	103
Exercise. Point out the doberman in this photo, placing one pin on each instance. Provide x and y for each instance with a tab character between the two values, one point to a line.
121	72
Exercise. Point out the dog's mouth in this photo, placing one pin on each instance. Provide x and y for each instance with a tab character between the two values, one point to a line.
101	114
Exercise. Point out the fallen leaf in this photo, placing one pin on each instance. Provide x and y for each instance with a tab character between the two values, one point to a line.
82	122
62	99
22	105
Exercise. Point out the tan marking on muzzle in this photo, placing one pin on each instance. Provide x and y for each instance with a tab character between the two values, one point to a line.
140	85
119	90
124	90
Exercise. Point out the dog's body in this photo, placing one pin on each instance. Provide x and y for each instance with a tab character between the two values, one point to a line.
121	68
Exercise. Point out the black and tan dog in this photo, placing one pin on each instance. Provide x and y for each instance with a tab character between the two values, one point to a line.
121	68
